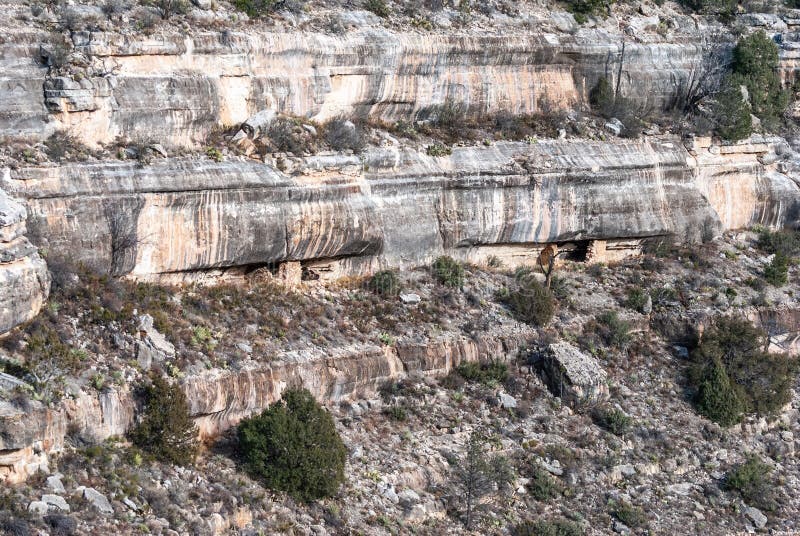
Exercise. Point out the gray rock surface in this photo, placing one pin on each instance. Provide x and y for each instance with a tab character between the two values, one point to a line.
24	279
54	483
56	501
98	500
389	74
572	375
401	209
38	508
756	516
151	345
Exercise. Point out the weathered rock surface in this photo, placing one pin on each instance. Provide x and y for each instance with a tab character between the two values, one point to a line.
571	374
214	78
397	207
219	399
24	279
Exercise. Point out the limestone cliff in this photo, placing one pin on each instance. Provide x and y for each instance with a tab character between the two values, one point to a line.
398	207
176	89
219	399
24	279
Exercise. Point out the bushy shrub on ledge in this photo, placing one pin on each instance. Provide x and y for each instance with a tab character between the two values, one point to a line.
166	431
293	446
448	272
733	374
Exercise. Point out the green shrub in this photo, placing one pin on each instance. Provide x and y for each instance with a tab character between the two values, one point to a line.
168	8
385	283
62	145
732	113
751	480
342	134
396	413
214	154
558	527
637	299
449	272
582	9
613	420
491	372
717	398
293	446
256	8
438	149
601	97
165	431
777	271
613	330
286	134
630	515
785	241
542	486
530	301
755	64
378	7
733	374
725	9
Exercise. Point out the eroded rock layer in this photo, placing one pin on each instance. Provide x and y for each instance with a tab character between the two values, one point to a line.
175	89
219	399
24	279
398	207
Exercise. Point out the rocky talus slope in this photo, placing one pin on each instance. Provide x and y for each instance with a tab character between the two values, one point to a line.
149	222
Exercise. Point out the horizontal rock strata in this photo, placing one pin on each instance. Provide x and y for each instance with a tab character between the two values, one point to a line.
175	88
219	399
24	279
341	215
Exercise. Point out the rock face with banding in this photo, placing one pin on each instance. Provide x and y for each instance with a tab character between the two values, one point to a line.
219	399
175	88
24	279
396	207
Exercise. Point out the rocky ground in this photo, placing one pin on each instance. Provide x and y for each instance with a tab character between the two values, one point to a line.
666	466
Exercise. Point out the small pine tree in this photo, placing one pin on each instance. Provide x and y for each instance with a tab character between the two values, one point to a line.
385	283
449	271
293	446
601	97
478	475
777	272
166	430
755	63
732	113
717	398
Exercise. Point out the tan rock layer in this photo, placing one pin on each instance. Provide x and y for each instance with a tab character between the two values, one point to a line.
219	399
400	208
24	279
176	88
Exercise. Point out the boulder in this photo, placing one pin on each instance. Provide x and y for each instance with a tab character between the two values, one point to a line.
257	124
98	500
56	501
756	516
410	298
614	126
152	345
38	508
571	374
507	401
54	483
